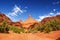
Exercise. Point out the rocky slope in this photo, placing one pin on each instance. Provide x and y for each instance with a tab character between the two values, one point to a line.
50	18
4	17
19	24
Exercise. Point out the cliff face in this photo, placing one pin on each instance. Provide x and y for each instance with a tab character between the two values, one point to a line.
50	18
17	24
4	17
29	21
45	20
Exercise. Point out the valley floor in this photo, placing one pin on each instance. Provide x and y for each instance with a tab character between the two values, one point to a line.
30	36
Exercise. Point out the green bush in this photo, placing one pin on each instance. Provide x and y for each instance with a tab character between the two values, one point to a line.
35	29
4	28
49	26
16	29
22	30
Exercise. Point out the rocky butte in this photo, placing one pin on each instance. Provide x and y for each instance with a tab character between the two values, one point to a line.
30	22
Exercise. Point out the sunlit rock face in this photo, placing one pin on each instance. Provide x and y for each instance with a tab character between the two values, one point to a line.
50	18
9	22
29	22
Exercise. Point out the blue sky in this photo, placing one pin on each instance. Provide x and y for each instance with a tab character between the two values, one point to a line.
38	9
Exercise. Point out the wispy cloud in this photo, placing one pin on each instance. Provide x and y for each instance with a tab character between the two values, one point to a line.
58	14
44	16
15	11
54	10
41	17
49	15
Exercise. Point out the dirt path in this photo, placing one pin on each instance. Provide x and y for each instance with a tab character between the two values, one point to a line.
29	36
21	37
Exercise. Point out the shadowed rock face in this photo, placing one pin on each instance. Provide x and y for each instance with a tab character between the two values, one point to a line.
58	16
18	24
34	25
4	17
50	18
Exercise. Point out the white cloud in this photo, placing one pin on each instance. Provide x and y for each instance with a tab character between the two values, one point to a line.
54	10
8	15
44	16
15	11
49	15
58	14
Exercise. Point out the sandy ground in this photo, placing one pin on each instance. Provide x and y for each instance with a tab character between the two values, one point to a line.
30	36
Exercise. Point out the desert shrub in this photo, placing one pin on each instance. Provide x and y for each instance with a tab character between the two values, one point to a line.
4	28
16	29
55	24
41	27
51	25
34	29
22	30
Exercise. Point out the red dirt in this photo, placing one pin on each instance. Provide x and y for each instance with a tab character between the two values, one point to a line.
30	36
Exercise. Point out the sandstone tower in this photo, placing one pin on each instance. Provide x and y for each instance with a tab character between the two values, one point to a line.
29	21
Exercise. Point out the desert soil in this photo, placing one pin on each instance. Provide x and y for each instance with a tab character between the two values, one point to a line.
30	36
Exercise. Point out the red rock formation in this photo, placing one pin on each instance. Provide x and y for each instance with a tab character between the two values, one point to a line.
29	22
34	25
18	24
50	18
4	17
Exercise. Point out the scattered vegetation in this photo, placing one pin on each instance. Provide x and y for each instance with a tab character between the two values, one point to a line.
49	26
16	29
4	28
52	25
